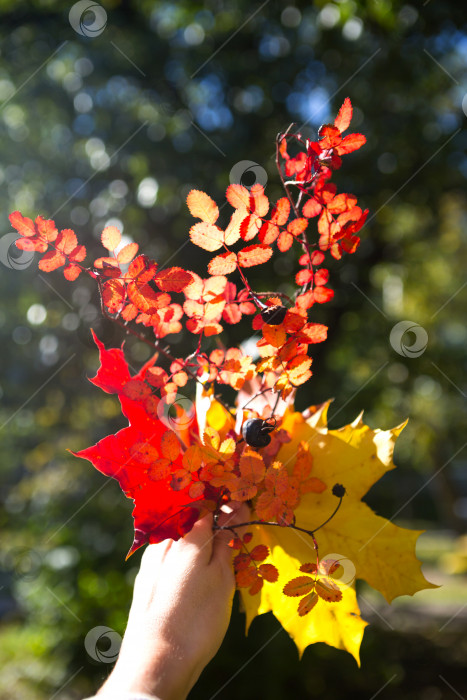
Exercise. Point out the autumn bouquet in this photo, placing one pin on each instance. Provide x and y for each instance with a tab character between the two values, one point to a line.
310	536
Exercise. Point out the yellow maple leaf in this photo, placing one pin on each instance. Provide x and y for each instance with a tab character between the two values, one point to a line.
368	546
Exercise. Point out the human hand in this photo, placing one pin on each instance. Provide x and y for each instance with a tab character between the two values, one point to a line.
181	609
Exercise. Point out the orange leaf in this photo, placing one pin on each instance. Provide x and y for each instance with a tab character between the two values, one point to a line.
274	335
232	232
66	241
157	377
78	254
244	578
202	206
105	263
259	203
173	279
250	226
323	294
136	390
259	553
180	378
317	257
144	452
313	333
281	211
72	272
223	264
170	445
311	208
142	268
308	568
254	255
321	277
213	287
268	232
268	506
312	485
252	466
160	469
113	295
127	253
298	369
328	590
111	237
344	117
302	585
284	241
145	298
303	277
22	224
46	228
51	261
350	143
207	236
242	490
238	196
129	312
277	479
304	461
193	458
196	489
268	572
297	226
307	604
180	480
256	586
324	223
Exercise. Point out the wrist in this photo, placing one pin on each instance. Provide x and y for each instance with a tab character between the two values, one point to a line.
161	675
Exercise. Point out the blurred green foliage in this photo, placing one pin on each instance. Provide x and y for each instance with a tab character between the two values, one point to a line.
116	129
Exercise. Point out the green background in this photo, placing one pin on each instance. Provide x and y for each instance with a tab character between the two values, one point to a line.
117	128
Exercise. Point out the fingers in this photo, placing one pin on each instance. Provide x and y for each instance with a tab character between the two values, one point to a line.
239	513
199	540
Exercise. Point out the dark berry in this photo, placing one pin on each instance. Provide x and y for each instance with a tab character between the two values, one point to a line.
274	315
338	490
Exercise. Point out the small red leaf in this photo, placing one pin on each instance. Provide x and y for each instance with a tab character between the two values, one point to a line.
51	261
238	196
113	295
350	143
22	224
297	226
223	264
202	206
173	279
344	117
254	255
303	277
66	241
285	240
281	211
323	294
311	208
302	585
170	446
307	604
321	277
111	237
260	552
207	236
127	253
72	272
268	572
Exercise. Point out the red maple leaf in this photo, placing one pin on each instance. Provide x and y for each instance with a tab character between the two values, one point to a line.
133	455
